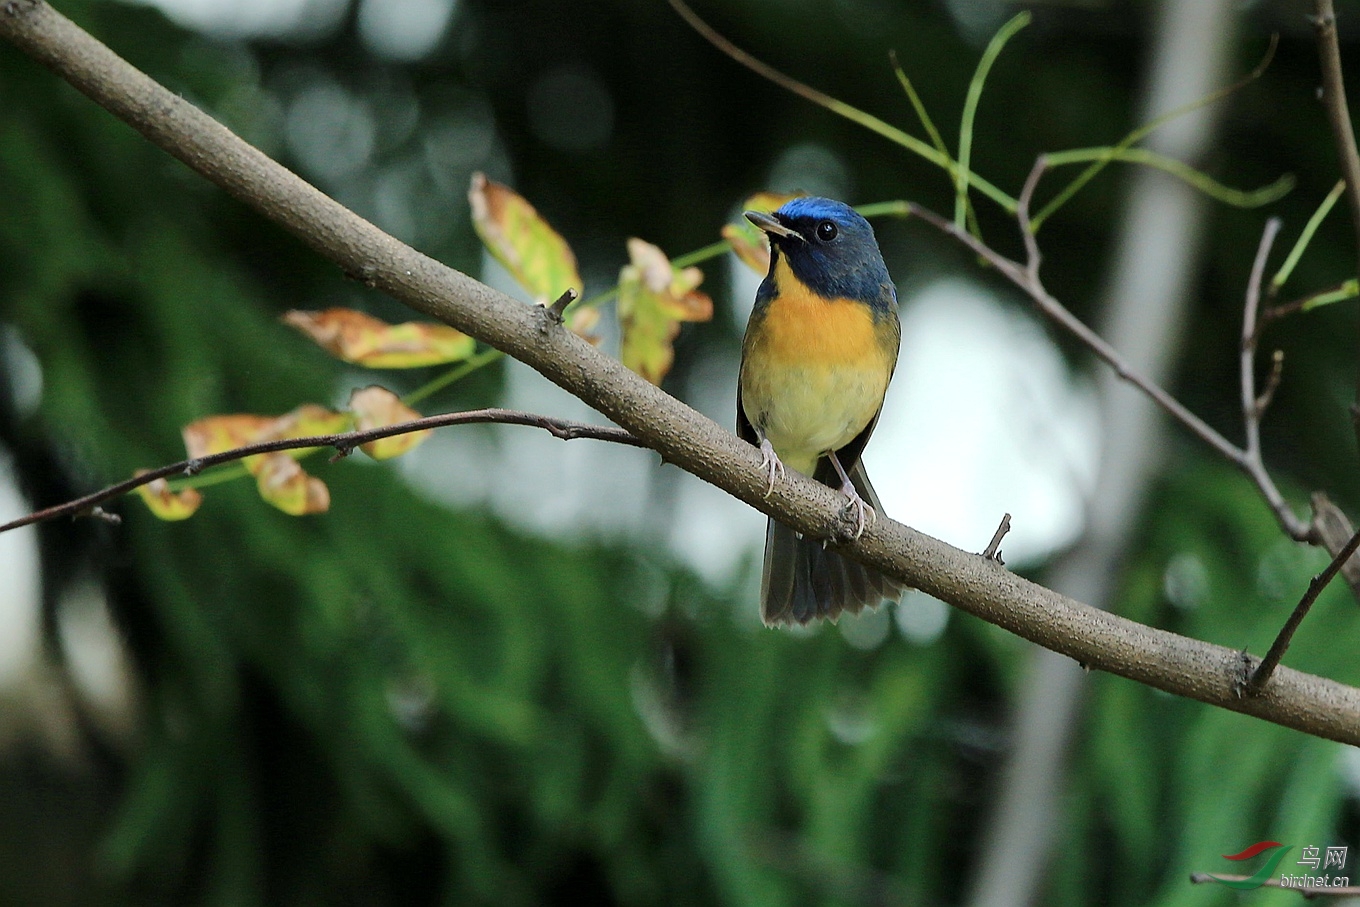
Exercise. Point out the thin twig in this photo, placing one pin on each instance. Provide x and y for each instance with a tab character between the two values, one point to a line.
1275	312
1305	891
343	442
1294	527
1056	311
1032	256
1254	405
1247	354
1339	116
1268	664
993	550
1338	111
1272	383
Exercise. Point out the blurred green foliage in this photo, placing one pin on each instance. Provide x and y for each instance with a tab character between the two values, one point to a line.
401	703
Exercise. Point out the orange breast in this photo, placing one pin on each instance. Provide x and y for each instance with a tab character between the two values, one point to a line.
803	328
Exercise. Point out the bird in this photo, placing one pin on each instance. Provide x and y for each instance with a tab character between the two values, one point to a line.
819	350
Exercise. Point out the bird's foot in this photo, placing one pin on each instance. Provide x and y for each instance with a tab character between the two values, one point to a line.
857	510
770	462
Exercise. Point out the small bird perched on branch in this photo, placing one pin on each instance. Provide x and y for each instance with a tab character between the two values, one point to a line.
816	360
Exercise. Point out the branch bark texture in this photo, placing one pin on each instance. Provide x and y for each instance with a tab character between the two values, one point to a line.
982	587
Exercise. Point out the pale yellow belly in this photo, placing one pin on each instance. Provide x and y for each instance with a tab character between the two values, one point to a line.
807	411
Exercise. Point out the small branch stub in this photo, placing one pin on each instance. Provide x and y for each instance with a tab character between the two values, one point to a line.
1272	383
559	308
99	513
993	550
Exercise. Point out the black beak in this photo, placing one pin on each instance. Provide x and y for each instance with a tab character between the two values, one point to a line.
772	226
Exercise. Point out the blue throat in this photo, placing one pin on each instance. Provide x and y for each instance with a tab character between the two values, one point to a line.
848	267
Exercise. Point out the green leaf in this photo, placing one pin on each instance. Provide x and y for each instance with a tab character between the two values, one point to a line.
361	339
519	238
749	243
166	504
654	297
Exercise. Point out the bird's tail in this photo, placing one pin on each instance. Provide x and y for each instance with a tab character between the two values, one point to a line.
803	581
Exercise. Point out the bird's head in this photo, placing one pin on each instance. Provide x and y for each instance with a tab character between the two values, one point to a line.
828	246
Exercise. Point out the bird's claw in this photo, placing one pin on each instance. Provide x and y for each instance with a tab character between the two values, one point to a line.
858	510
770	462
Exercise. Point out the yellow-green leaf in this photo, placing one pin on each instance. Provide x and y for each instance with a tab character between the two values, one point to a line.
376	407
310	419
167	504
283	483
364	340
654	297
278	477
519	238
750	244
215	434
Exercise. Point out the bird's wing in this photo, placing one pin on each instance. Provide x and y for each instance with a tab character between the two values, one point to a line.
745	430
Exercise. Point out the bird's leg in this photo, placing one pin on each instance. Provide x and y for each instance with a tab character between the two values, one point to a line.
864	514
769	461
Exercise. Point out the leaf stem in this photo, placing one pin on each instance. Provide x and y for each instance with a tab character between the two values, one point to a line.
855	115
453	375
970	105
1136	135
1306	236
1102	155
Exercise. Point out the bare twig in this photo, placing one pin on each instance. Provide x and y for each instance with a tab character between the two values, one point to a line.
1058	312
99	513
1252	405
1334	530
1272	384
993	550
1339	116
1306	891
1027	280
1338	111
1101	640
1032	256
1261	675
343	443
1288	308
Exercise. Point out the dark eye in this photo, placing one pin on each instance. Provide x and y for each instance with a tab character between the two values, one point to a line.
826	231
